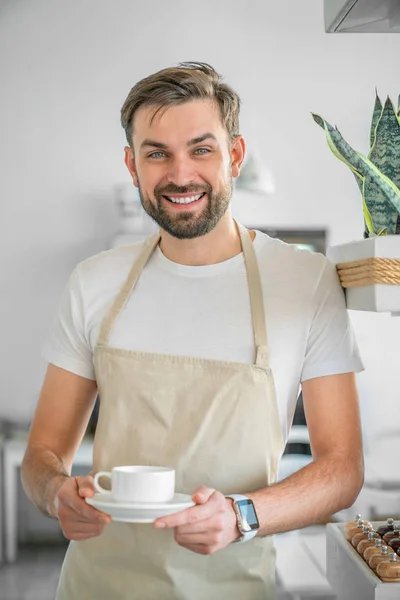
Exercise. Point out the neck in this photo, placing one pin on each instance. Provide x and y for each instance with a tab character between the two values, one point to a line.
222	243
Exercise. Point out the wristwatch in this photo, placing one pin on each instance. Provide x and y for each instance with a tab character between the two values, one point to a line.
246	516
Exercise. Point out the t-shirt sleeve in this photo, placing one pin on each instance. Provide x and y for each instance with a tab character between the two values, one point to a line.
331	346
66	344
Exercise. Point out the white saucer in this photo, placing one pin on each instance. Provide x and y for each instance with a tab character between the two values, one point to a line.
135	512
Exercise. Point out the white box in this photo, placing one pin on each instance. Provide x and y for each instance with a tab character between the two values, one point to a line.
377	297
348	574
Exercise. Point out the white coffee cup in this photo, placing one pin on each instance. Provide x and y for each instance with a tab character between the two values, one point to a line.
139	483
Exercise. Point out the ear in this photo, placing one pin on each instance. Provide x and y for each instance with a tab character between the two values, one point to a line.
130	163
237	155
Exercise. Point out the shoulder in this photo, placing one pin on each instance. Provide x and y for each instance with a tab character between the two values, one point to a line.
285	262
110	266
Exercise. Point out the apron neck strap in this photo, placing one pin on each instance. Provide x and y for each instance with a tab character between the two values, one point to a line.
256	298
254	285
126	290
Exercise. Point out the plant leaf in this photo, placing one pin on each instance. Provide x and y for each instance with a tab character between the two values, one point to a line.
359	164
319	120
386	185
385	155
382	213
385	152
376	115
359	178
368	223
341	154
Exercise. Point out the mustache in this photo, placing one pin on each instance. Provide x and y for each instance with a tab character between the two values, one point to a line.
176	189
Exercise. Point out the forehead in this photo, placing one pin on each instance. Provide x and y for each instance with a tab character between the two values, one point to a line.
175	124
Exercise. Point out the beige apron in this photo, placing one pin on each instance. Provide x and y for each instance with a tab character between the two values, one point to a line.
215	422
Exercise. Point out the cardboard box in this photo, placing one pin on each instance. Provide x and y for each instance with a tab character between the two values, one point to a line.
349	575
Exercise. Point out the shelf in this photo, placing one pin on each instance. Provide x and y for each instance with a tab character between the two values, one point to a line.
377	297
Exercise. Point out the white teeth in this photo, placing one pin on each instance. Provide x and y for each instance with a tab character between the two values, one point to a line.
186	200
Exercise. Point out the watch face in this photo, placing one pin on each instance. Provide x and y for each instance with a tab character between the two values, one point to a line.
249	517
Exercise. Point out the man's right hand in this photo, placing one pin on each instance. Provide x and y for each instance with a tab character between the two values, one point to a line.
78	520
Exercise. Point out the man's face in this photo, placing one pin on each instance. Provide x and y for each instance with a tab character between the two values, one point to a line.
182	165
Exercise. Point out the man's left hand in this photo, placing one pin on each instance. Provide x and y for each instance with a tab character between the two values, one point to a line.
207	527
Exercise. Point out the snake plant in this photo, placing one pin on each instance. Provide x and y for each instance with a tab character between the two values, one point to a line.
378	174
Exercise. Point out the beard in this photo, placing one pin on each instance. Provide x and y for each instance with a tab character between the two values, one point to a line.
185	224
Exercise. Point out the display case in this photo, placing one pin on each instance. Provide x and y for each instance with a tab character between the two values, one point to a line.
349	575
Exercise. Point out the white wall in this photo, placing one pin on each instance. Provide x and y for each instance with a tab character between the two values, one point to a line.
66	68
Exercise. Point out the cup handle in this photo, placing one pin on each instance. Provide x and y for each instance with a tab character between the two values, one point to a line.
96	481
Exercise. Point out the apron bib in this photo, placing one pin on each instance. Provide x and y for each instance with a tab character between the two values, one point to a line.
216	423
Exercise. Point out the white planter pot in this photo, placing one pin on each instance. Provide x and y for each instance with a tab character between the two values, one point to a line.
376	297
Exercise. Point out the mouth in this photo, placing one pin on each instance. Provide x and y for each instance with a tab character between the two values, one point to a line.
184	201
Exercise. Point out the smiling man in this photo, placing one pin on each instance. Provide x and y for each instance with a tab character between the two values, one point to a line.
197	340
206	206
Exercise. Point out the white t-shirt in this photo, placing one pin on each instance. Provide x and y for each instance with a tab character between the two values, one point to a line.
204	311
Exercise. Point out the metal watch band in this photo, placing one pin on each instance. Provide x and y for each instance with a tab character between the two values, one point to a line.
248	535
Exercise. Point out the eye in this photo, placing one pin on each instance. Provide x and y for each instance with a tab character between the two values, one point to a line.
202	151
156	155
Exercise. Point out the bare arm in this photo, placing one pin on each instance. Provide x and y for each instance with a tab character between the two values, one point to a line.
333	480
330	483
62	414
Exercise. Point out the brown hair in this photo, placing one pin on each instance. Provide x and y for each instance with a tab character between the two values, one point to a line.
176	85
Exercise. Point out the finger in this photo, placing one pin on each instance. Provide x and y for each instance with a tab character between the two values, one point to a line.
85	528
77	534
192	515
67	516
85	486
198	548
82	510
86	489
204	526
76	525
78	537
86	492
85	513
102	516
94	517
88	513
202	494
208	538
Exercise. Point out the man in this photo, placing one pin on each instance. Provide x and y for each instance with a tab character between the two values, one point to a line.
197	342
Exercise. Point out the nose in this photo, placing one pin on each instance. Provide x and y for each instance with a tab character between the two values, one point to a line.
181	171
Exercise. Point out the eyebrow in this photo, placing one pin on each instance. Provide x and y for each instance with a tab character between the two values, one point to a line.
192	142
